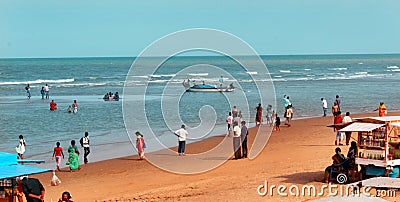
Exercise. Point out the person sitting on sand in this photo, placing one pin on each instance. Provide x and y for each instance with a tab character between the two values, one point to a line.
337	159
65	197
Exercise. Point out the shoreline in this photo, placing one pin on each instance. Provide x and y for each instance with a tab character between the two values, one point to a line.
301	159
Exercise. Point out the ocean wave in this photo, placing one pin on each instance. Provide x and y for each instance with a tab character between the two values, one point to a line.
339	68
199	74
38	81
284	71
395	70
252	73
71	85
307	69
392	67
163	75
361	73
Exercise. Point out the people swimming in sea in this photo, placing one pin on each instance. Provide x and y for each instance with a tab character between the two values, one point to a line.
75	107
69	109
110	97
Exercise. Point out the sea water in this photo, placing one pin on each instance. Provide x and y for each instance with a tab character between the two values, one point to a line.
361	81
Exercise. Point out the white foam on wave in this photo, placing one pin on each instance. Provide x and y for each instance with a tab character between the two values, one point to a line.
278	76
284	71
307	69
360	63
359	73
251	73
395	70
199	74
38	81
163	75
392	67
339	68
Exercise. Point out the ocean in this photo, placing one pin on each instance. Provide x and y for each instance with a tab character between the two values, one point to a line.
361	81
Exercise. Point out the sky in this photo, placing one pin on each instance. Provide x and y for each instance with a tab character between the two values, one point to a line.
126	27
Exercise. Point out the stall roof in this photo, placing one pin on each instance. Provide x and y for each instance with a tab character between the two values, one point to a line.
397	124
10	168
380	119
361	127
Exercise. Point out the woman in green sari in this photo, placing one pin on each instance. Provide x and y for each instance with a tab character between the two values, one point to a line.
73	159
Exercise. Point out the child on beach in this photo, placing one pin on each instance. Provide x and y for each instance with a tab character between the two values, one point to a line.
277	123
140	145
21	147
65	197
58	153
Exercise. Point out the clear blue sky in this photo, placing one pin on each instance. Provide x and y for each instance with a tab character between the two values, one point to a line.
124	28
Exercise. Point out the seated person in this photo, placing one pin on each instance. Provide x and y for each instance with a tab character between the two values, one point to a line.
116	96
337	159
352	154
106	96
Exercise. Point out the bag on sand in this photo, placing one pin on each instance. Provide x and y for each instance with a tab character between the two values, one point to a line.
55	180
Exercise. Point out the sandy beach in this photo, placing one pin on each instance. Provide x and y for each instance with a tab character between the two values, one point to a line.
296	155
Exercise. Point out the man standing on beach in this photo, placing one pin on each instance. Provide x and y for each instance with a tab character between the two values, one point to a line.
324	105
337	120
236	140
33	190
181	133
347	119
86	149
47	90
337	101
244	133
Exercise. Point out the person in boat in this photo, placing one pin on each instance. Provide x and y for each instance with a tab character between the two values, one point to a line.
194	83
221	81
116	96
204	83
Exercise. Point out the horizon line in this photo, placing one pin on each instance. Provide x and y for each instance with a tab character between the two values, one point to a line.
301	54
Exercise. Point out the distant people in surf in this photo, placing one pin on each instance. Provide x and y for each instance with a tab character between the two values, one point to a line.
111	97
28	91
75	107
53	106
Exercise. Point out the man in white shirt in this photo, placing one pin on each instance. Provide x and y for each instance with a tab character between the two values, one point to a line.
324	105
347	119
86	148
46	90
181	133
237	140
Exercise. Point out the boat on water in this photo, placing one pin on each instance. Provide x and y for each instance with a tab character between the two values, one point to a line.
207	88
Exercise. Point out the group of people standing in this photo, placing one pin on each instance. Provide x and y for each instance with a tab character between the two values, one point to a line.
44	91
73	153
240	132
111	97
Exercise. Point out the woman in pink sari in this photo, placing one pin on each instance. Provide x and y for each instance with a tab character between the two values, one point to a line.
140	145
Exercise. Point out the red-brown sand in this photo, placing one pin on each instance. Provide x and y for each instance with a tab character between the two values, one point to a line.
296	155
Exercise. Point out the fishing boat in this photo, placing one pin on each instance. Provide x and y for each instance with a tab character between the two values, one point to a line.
207	88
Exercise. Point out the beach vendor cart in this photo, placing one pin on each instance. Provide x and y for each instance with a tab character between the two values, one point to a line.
10	169
378	146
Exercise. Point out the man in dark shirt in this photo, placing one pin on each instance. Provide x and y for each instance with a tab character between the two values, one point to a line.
244	134
33	190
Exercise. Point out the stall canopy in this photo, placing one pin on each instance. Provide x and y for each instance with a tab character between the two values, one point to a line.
361	127
379	119
10	168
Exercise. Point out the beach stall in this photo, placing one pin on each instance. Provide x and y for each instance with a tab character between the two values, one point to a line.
378	145
10	169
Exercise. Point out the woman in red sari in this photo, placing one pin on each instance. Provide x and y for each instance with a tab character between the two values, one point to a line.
258	114
140	145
